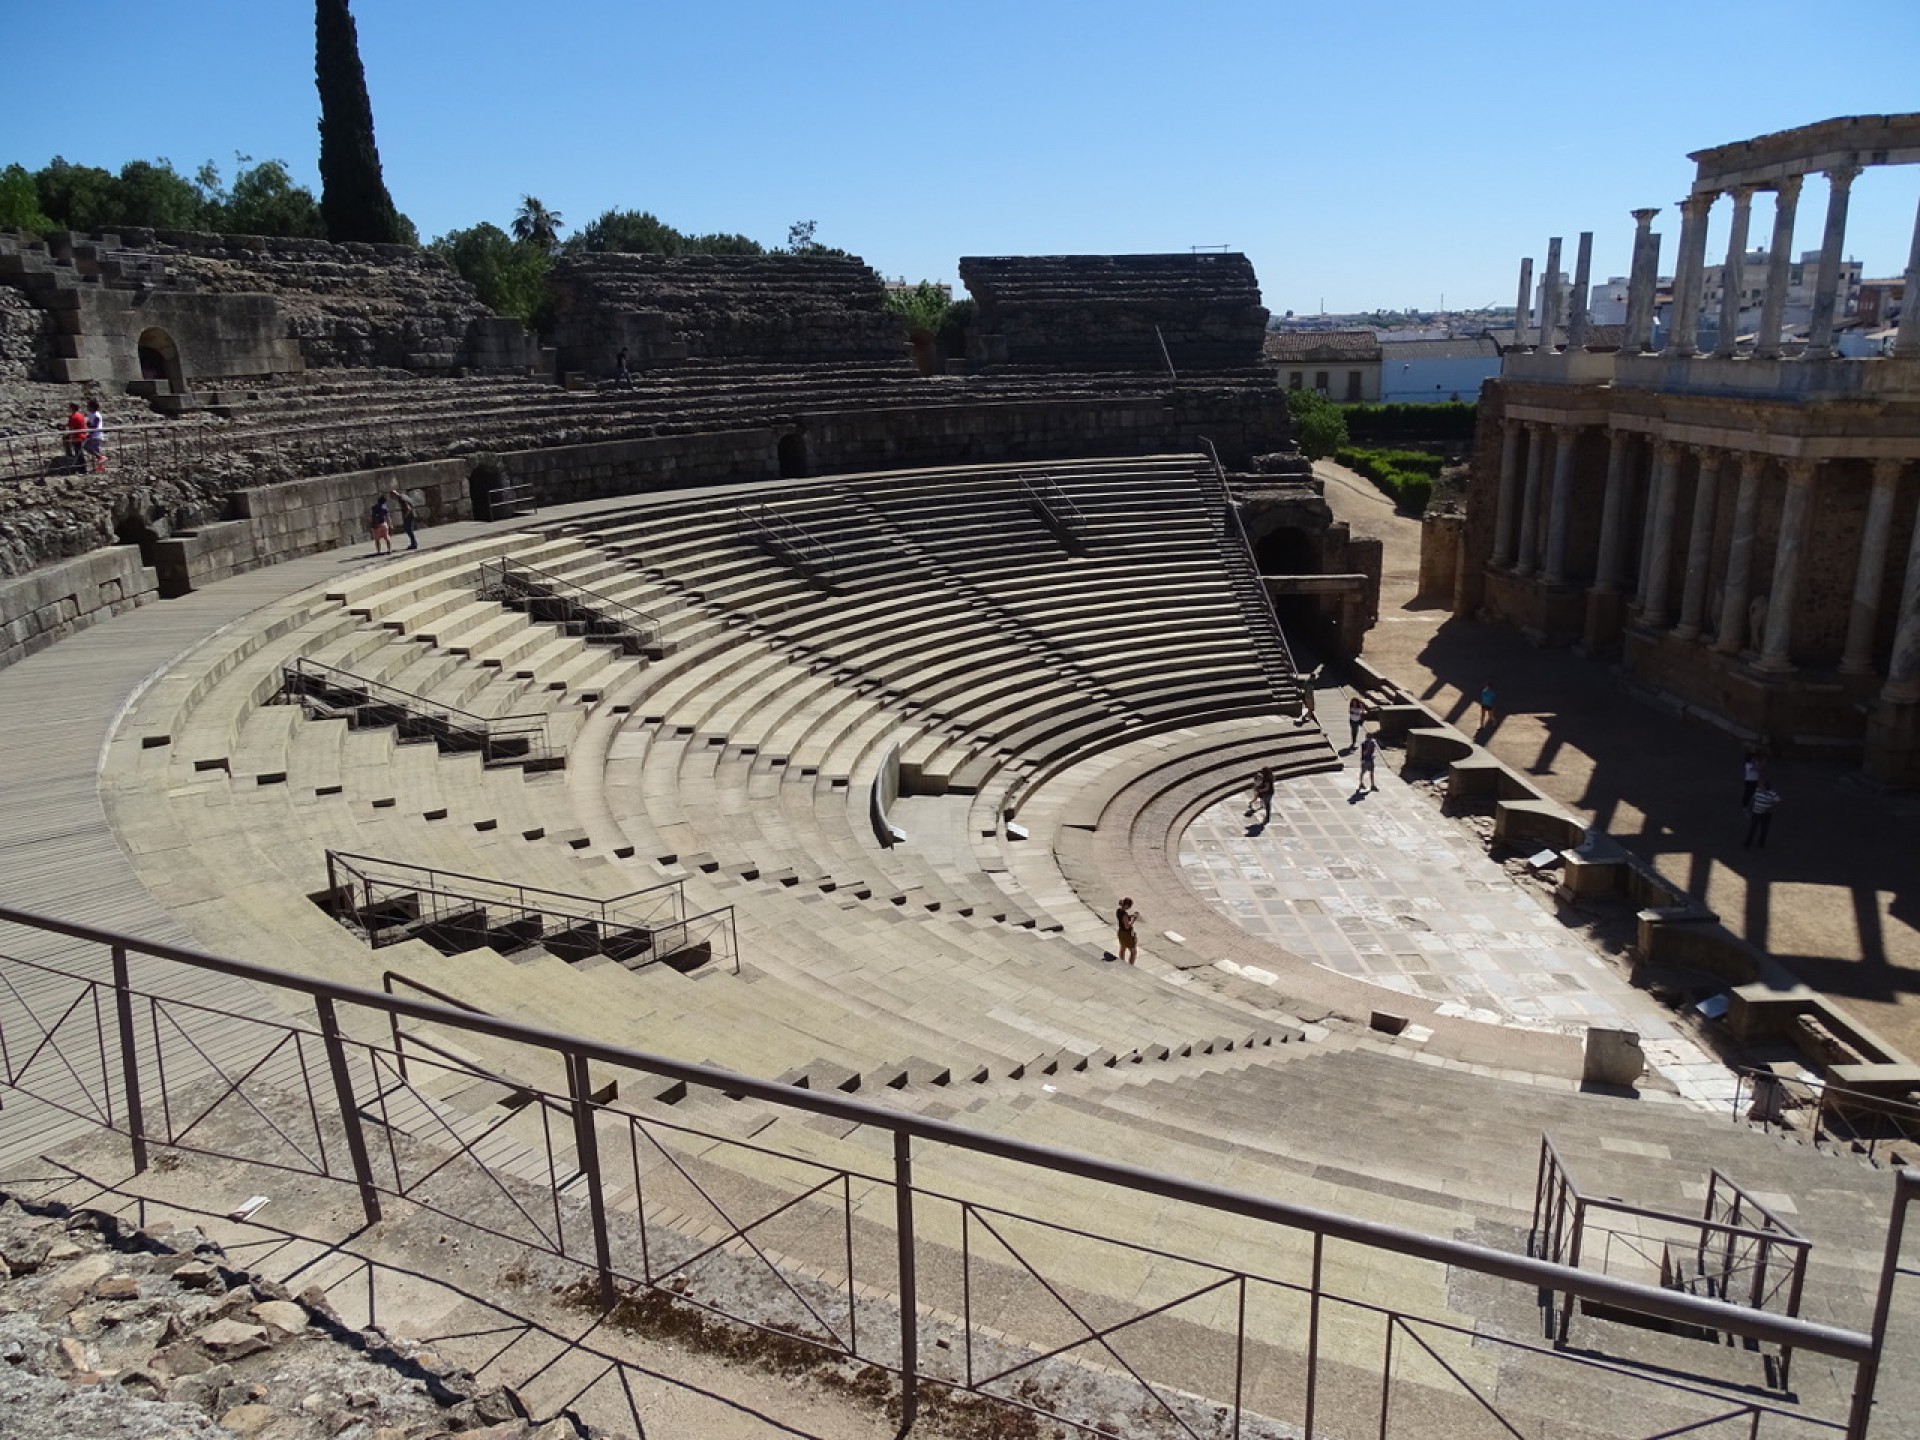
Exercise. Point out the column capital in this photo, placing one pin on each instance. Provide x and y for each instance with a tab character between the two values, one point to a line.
1643	219
1742	194
1787	188
1840	177
1752	462
1886	471
1800	472
1668	452
1696	205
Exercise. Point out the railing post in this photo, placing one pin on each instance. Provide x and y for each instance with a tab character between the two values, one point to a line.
1573	1263
586	1145
129	1059
909	1302
1386	1376
1313	1332
349	1109
1906	1186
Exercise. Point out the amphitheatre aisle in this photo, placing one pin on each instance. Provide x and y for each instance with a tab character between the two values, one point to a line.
1833	895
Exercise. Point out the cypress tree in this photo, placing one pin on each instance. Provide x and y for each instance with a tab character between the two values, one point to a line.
353	198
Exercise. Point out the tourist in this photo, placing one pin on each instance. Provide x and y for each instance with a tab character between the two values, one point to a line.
1760	814
1306	715
1124	920
77	439
1262	794
1369	748
408	518
380	523
623	374
1749	778
1356	717
1487	698
97	437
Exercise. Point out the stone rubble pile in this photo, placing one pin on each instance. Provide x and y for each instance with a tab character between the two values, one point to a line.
109	1331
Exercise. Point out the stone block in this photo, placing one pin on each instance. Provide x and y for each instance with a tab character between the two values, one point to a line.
1612	1057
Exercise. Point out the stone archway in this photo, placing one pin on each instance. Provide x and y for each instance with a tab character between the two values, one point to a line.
793	455
160	360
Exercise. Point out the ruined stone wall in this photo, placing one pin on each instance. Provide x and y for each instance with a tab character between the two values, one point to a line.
663	309
26	338
1100	312
55	601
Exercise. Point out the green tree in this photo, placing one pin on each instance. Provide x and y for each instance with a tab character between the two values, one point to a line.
154	194
631	232
537	225
77	197
511	275
1319	428
265	201
924	307
353	196
20	202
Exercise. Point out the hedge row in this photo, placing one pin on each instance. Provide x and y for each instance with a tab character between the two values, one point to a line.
1405	476
1453	421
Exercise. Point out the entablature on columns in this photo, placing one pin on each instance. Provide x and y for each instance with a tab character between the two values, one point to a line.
1765	160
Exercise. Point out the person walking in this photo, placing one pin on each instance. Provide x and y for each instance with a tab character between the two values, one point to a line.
1369	748
77	439
1760	814
97	437
1125	920
408	518
1356	717
1262	794
1487	699
380	523
1749	778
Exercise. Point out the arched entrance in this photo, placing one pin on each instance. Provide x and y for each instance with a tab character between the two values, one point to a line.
1289	550
793	455
485	478
160	359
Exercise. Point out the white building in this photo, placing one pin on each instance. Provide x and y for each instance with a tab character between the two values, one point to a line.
1430	372
1607	302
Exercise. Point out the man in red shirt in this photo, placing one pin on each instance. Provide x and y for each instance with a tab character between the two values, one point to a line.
77	437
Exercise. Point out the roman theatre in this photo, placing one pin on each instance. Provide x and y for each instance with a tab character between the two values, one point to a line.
685	885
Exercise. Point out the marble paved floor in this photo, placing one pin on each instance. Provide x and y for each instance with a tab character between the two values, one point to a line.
1378	885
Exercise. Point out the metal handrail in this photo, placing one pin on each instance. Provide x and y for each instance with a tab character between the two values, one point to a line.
530	725
645	626
1854	1347
1239	529
789	540
1831	1100
1054	507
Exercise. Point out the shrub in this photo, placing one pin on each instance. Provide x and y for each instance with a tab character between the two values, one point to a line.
1404	476
1373	424
1319	425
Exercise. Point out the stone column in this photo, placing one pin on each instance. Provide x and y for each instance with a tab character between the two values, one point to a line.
1582	281
1550	296
1649	516
1871	570
1686	277
1706	496
1664	499
1524	309
1527	554
1906	344
1560	509
1776	653
1734	273
1641	281
1773	310
1506	514
1832	250
1903	670
1737	589
1606	564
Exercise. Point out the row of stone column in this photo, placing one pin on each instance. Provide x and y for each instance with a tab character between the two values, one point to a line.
1690	272
1533	515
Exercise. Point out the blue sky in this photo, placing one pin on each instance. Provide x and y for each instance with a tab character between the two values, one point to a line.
1362	155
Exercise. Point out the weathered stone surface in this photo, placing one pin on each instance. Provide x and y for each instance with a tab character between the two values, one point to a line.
78	1277
281	1315
26	1252
248	1419
117	1287
230	1339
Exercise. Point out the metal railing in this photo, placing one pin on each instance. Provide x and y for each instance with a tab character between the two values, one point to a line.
1736	1250
393	900
1859	1120
1055	509
858	1259
512	502
324	691
1235	534
554	598
789	542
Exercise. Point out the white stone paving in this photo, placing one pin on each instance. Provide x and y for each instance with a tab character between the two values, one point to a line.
1379	886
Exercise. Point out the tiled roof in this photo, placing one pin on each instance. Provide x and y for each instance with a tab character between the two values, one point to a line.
1306	347
1460	347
